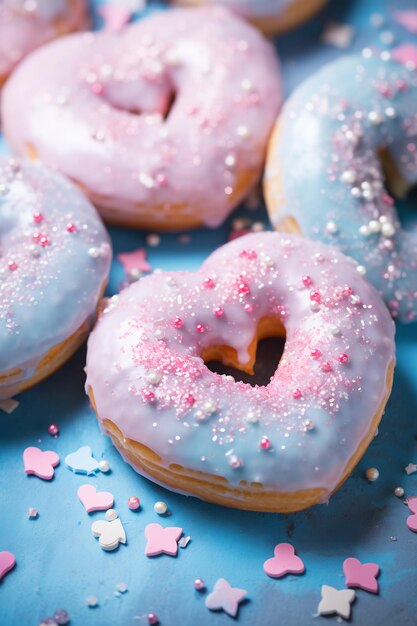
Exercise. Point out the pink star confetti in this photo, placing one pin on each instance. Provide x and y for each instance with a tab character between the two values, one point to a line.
412	519
225	598
361	575
407	19
283	562
406	54
134	261
162	540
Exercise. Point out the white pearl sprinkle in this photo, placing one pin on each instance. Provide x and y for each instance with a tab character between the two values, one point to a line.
374	226
364	230
230	160
361	269
388	229
160	507
399	492
153	240
247	84
154	378
91	601
209	407
390	112
375	117
103	465
243	131
331	227
348	177
252	418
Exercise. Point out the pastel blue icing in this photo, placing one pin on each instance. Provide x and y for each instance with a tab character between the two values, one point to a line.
56	287
312	150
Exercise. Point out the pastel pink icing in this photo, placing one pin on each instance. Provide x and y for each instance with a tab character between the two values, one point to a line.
168	112
25	26
299	431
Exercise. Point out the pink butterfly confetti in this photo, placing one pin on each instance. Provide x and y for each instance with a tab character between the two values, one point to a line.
225	598
162	540
283	562
412	519
134	261
7	563
407	19
361	575
94	500
40	463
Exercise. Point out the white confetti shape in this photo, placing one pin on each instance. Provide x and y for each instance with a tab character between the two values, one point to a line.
110	533
336	601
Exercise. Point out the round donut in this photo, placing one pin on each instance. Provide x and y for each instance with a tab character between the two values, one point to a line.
54	262
271	16
282	447
340	134
25	26
164	125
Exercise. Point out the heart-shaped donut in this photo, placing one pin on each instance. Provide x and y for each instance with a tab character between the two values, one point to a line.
281	447
164	125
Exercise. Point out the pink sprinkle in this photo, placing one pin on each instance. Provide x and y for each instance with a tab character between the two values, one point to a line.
248	308
38	218
200	328
243	288
133	503
97	88
282	311
199	584
307	282
148	395
162	180
265	444
343	358
152	619
12	265
315	296
41	239
209	283
71	228
296	394
315	353
347	291
53	430
178	322
189	399
326	367
249	254
218	311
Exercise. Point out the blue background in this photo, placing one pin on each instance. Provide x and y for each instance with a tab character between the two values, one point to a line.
59	563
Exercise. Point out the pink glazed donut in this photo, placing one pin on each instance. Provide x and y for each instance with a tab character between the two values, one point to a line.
281	447
25	26
164	125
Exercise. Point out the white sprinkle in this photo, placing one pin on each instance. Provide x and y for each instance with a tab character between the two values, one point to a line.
374	226
390	112
184	541
388	229
375	117
122	587
91	601
348	177
399	492
160	507
146	180
372	474
153	240
8	405
243	131
364	230
230	160
111	515
331	227
154	378
361	269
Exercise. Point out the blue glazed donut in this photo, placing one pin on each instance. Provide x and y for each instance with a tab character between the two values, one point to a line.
340	134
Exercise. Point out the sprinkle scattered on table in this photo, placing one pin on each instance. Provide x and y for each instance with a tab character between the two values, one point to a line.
411	468
284	561
134	262
162	540
9	405
338	35
40	463
82	461
336	601
110	533
361	575
94	500
225	598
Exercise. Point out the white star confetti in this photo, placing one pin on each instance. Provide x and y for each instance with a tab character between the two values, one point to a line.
411	468
336	601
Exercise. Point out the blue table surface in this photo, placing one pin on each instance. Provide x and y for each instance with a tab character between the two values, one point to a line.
59	563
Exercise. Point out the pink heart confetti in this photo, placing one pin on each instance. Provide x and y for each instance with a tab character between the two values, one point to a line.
115	17
407	19
361	575
134	261
283	562
405	54
7	563
40	463
94	500
412	519
162	540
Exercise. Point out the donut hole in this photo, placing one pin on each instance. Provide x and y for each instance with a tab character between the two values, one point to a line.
156	98
265	352
405	193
